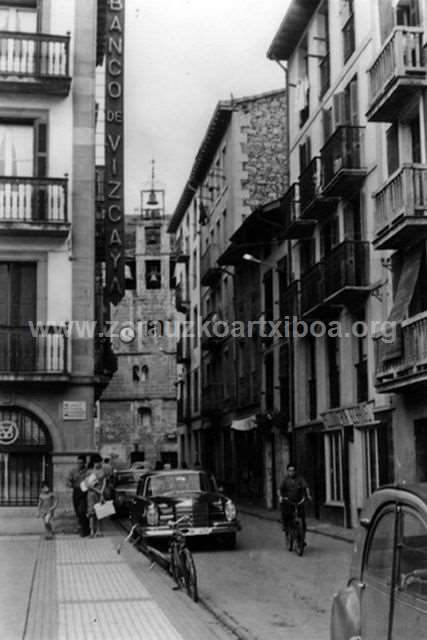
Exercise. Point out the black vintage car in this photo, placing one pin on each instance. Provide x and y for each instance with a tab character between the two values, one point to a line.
124	484
168	495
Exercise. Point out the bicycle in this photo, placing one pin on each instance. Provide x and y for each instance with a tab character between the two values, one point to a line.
181	562
295	533
178	560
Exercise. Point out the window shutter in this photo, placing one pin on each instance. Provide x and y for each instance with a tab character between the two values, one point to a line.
40	131
414	18
392	149
354	103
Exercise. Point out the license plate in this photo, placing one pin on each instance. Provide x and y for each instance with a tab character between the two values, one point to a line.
200	531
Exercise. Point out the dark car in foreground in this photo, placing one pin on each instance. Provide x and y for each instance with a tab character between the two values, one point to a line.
386	595
168	495
124	483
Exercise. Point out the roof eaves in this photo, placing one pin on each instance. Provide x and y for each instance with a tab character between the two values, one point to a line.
296	19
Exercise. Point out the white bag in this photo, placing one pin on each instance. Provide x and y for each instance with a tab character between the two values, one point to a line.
104	510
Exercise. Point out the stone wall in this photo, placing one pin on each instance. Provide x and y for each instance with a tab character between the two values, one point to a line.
264	143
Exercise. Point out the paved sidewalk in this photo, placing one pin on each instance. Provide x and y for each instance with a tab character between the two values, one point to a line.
323	528
75	588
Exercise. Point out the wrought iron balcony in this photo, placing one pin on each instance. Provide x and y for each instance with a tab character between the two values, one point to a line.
294	226
210	271
34	63
401	208
24	356
340	279
313	204
182	303
397	74
343	161
408	371
34	206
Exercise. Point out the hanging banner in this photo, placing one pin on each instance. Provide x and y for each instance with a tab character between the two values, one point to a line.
114	156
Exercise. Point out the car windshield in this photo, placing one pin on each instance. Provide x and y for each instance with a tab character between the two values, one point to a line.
161	484
124	478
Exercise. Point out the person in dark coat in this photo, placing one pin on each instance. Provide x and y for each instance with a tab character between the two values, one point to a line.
74	480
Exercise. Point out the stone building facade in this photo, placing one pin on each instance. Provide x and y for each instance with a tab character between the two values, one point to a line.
138	410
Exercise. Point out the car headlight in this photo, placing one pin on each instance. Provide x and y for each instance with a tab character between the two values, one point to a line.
152	515
230	510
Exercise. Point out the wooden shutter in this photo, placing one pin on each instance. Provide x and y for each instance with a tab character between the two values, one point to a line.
353	103
23	293
40	155
327	124
387	21
339	109
392	149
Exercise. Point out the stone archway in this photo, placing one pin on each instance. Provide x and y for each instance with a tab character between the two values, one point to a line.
25	456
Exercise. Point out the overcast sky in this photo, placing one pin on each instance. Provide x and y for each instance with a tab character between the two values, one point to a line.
182	56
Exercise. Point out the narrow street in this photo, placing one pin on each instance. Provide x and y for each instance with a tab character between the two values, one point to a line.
267	591
273	593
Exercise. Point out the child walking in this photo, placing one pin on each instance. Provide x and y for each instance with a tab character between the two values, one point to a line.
46	508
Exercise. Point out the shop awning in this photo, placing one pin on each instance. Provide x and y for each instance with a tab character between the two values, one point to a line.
245	424
402	299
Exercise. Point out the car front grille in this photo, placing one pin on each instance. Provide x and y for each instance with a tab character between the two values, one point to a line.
198	514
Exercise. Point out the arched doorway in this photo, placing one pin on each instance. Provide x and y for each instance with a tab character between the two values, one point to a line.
25	457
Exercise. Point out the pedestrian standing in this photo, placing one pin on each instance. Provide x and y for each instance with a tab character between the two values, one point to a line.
74	481
46	509
95	481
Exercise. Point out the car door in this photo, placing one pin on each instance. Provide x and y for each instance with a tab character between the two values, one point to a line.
377	576
410	591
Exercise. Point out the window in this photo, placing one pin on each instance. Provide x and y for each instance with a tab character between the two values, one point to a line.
415	132
152	239
144	417
412	564
371	460
307	255
21	19
130	275
153	279
407	13
194	271
311	377
325	63
379	561
349	41
269	381
139	374
303	87
285	381
333	465
392	137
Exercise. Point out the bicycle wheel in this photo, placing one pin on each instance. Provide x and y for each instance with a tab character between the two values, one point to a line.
289	538
299	538
190	575
177	568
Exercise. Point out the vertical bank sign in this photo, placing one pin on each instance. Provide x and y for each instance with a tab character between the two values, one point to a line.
114	156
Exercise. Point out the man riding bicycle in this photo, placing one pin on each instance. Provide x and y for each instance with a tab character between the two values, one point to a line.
293	490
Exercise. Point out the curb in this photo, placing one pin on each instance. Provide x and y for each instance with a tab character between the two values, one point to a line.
328	534
227	621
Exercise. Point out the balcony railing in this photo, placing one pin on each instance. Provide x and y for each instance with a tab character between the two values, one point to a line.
347	267
396	73
340	279
33	200
210	271
22	353
29	58
409	369
343	161
294	226
312	202
401	208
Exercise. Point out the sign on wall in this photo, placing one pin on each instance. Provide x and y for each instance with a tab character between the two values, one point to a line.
9	432
114	157
74	410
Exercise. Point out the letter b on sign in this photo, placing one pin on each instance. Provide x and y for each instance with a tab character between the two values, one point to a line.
116	5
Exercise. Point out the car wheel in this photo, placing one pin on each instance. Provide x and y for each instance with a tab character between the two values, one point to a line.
228	541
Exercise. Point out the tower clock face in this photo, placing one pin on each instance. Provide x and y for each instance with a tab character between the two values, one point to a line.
127	334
